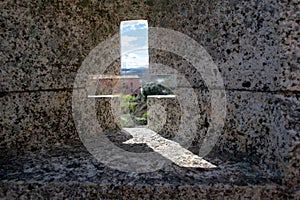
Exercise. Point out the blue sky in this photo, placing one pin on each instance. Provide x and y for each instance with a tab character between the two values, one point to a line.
134	44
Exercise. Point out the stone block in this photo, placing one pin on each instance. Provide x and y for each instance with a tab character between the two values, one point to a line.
244	48
164	114
108	111
34	120
45	49
289	45
289	106
254	130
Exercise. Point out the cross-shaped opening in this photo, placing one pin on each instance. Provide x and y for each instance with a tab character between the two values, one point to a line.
139	103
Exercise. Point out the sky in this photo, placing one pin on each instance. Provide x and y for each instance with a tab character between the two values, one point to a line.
134	44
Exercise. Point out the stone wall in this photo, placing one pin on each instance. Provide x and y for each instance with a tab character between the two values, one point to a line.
254	44
164	115
289	98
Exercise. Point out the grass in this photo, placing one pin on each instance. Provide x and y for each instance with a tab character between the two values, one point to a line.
129	107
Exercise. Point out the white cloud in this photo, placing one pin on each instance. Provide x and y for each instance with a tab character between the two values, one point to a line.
126	41
133	25
134	60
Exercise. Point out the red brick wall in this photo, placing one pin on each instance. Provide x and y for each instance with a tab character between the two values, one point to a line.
115	86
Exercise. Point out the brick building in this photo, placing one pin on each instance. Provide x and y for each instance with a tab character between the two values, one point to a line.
111	84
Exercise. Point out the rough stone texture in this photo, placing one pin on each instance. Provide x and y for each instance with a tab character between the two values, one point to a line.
289	101
290	109
164	114
69	171
255	44
242	106
254	128
44	43
108	111
32	120
242	38
290	45
112	191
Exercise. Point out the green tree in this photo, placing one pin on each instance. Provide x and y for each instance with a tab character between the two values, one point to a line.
153	88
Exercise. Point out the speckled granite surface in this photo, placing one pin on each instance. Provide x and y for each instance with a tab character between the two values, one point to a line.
290	84
164	115
112	191
54	37
33	120
108	112
290	109
289	45
70	171
241	36
255	44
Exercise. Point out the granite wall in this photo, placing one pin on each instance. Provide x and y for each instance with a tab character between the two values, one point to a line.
164	115
289	97
255	45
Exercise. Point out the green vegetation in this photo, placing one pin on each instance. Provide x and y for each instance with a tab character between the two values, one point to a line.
127	103
134	112
152	88
134	109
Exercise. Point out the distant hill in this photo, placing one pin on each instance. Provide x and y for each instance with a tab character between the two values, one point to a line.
143	72
133	71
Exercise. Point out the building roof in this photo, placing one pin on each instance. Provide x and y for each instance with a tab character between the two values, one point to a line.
101	76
